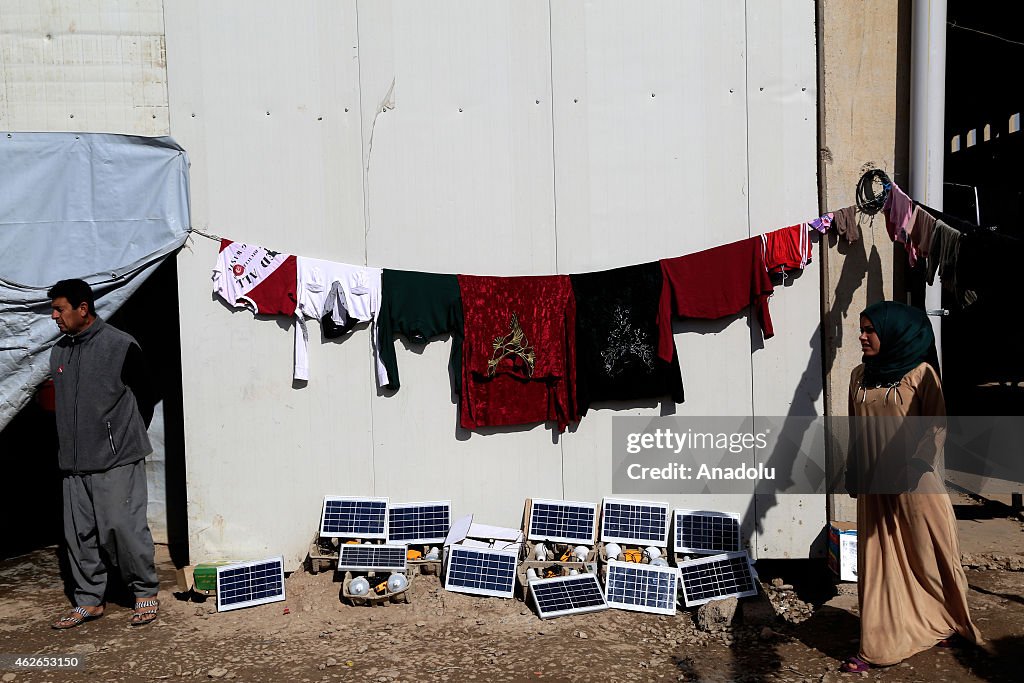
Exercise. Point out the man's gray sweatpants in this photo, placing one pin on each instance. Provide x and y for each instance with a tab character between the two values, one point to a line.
108	510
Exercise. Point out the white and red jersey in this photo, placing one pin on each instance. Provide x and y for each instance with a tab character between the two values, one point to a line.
787	248
250	276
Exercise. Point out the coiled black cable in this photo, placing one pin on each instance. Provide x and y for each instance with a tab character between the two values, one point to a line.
867	201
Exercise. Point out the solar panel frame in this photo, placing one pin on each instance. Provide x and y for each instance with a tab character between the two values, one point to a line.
401	508
733	532
363	557
558	591
562	529
612	508
237	579
721	569
465	562
376	522
619	595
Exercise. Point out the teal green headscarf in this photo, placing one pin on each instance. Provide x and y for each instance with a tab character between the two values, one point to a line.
906	340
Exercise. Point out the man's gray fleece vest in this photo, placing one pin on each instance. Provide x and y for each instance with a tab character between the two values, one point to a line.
98	420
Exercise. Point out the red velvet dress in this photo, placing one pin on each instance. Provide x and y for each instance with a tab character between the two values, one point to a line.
712	284
519	358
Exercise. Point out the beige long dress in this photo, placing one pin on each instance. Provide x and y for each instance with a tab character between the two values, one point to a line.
912	587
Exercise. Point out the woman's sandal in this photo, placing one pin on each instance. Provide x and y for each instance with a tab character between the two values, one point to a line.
145	612
76	617
855	665
955	640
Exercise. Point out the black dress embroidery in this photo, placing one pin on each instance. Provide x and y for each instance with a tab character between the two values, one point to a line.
616	333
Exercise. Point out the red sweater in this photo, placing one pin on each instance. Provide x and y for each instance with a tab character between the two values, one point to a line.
518	358
711	284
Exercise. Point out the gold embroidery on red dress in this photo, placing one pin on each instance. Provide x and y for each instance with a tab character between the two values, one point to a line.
512	345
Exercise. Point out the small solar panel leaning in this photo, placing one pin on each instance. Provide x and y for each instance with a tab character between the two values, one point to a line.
567	595
419	523
563	521
703	531
481	571
634	521
718	576
354	518
372	557
641	587
245	584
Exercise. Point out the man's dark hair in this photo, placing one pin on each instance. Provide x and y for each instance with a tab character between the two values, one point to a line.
75	291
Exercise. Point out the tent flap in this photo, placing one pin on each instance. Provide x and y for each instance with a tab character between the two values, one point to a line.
104	208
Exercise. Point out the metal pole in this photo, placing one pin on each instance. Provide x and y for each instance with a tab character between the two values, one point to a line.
927	111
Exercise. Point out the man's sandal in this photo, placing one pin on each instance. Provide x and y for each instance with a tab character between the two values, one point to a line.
145	612
76	617
856	665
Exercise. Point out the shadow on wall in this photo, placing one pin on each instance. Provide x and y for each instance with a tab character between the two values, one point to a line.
858	266
32	506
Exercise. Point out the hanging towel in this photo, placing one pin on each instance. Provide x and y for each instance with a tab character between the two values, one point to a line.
897	208
846	223
942	252
920	232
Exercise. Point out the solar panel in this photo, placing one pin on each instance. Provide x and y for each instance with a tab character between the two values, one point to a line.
372	557
567	595
245	584
354	518
702	531
634	521
718	576
482	571
418	523
563	521
641	587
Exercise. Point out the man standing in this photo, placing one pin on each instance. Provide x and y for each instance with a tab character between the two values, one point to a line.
104	406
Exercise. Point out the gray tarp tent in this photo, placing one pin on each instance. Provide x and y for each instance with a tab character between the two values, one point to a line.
104	208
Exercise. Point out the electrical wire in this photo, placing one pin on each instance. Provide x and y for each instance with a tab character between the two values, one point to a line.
867	200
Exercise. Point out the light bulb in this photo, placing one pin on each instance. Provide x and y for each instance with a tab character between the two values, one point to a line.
397	582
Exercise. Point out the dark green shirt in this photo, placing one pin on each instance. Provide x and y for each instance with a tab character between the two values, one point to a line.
419	306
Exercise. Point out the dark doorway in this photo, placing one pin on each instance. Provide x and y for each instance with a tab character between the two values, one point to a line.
984	174
31	506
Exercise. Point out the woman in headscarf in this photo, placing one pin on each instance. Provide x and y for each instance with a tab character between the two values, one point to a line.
912	588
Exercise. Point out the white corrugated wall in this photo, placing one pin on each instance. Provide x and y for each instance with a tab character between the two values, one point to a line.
528	137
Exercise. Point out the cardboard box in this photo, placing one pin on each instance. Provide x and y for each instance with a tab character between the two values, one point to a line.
842	550
464	531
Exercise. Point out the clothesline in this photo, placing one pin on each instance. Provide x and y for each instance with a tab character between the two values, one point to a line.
970	260
525	349
821	224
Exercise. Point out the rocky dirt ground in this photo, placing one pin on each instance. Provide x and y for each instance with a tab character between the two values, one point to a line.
800	629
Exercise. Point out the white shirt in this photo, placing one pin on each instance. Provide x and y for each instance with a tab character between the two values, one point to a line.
356	298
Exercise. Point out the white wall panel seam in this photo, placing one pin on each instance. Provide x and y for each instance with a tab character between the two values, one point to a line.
554	198
365	164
